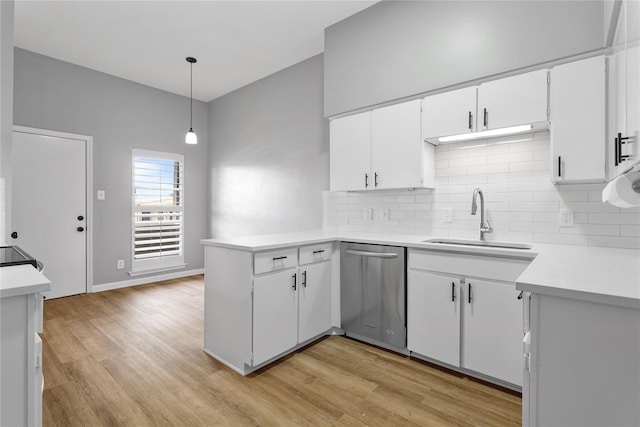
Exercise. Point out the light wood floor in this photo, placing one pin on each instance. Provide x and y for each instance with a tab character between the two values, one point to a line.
134	357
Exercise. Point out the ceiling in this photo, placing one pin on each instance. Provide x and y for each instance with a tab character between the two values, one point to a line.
235	42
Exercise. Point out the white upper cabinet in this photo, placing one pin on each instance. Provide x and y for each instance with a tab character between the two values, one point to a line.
397	147
350	152
449	113
578	141
513	101
382	149
624	90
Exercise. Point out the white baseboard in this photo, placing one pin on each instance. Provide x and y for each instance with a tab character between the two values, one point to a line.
145	280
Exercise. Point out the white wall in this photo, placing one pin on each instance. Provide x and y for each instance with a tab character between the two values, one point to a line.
269	154
396	49
119	115
521	203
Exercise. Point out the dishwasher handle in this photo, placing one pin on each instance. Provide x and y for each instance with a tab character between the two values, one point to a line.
372	254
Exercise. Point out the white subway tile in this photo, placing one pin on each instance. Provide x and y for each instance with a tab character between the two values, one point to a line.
468	179
496	168
534	206
402	214
536	165
451	189
349	214
451	171
441	164
529	146
500	187
432	214
447	155
512	216
534	227
615	242
589	207
424	198
511	236
546	217
468	161
407	198
581	217
523	156
532	186
630	230
511	177
441	180
542	155
463	234
556	196
580	187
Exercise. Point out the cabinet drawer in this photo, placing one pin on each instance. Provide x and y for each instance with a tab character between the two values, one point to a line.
275	260
315	253
506	269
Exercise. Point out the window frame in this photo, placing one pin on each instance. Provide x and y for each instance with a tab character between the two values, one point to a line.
161	263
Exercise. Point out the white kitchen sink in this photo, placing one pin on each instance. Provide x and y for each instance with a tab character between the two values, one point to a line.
480	243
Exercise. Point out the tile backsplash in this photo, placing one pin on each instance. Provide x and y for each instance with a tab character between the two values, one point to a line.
521	203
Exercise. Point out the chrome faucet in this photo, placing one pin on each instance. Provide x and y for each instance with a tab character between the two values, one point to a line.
485	227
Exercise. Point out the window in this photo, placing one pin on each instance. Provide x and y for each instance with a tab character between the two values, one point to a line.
158	211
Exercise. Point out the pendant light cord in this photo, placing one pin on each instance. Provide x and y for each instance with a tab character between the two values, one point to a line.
191	97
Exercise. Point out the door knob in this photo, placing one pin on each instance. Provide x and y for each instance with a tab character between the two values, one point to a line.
80	228
14	235
80	217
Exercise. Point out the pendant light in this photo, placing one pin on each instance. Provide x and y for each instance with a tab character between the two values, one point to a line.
191	137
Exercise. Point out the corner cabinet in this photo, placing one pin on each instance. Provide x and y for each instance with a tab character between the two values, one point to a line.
578	141
464	311
381	149
261	306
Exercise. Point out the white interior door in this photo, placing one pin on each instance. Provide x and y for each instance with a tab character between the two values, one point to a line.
49	207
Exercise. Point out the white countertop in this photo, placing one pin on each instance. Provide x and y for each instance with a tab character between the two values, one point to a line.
588	273
605	275
22	280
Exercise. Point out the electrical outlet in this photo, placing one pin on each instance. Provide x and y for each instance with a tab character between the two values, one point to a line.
566	218
447	215
367	214
384	215
120	264
101	195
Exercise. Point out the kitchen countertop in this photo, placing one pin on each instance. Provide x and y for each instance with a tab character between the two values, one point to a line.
604	275
22	280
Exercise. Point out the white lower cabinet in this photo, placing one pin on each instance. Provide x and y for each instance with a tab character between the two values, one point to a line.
275	315
314	300
259	306
433	316
466	322
492	341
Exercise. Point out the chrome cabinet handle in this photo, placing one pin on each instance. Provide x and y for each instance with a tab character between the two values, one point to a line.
366	180
486	117
295	282
469	296
318	251
559	166
453	292
277	258
470	121
375	179
304	279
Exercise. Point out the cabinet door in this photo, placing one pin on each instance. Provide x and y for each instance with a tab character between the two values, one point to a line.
350	153
433	316
315	300
492	330
513	101
449	113
275	315
396	146
578	141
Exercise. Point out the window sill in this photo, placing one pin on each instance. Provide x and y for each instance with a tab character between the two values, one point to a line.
156	270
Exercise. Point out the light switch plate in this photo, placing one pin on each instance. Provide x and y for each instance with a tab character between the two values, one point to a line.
447	215
566	218
367	214
384	215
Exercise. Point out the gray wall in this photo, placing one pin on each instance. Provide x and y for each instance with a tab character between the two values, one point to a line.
119	115
396	49
6	114
269	154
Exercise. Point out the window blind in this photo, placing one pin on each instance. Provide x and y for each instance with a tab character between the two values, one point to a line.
158	210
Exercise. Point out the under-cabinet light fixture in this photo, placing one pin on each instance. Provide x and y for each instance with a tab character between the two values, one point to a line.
486	133
191	137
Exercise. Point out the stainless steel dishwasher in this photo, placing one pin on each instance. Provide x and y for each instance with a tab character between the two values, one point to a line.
372	293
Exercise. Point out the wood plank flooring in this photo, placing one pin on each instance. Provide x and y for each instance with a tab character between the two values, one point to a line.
133	357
